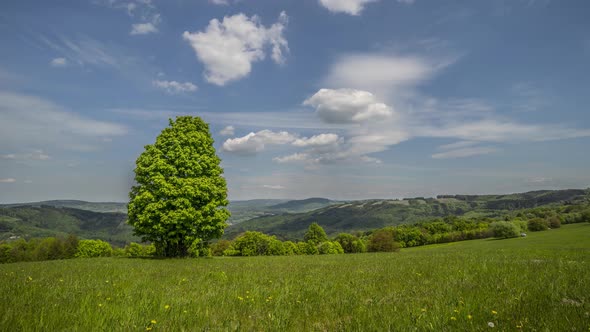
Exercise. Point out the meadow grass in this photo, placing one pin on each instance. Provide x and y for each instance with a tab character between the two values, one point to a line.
537	283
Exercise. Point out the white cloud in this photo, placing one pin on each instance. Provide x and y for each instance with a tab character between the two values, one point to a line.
351	7
34	155
228	48
465	152
256	142
59	62
143	28
219	2
31	122
227	131
293	158
274	187
7	180
348	106
457	145
173	87
383	74
317	140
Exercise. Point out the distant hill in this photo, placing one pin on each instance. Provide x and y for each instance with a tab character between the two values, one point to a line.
76	204
372	214
43	221
303	205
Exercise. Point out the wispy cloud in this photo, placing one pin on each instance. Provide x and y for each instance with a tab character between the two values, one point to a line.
82	51
31	122
465	152
34	155
58	62
143	11
7	180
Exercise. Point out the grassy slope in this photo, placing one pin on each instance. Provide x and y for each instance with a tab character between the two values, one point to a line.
539	282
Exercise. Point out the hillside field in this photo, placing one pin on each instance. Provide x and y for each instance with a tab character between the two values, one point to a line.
539	282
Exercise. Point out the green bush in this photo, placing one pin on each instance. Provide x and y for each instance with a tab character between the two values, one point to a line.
315	234
307	248
383	240
93	248
521	224
139	250
5	253
290	248
505	229
538	224
350	243
330	248
554	222
257	244
218	248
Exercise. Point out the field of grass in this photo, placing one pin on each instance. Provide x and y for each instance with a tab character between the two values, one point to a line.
537	283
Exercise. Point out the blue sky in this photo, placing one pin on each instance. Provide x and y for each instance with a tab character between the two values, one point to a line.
345	99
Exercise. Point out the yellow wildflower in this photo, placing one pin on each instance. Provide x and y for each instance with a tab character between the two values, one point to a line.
494	312
153	321
423	309
167	307
469	316
453	318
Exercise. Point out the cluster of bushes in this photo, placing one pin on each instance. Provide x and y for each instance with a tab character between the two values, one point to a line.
39	249
315	242
50	248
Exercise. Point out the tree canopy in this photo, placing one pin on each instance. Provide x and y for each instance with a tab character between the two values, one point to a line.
315	234
179	199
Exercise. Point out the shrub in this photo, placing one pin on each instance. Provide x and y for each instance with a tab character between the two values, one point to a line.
139	250
219	247
315	234
290	248
307	248
521	224
93	248
350	243
504	229
538	224
382	240
554	222
5	253
256	244
330	248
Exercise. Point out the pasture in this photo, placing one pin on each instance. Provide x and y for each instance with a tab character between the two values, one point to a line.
537	283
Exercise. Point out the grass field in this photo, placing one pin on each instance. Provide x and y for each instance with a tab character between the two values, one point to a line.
537	283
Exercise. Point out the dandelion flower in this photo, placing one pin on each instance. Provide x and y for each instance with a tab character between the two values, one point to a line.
453	318
240	298
423	309
100	304
153	321
469	316
167	307
456	310
491	324
494	312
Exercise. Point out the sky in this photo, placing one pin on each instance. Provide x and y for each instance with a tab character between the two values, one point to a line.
344	99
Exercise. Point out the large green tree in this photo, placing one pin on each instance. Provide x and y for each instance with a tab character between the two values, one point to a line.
179	199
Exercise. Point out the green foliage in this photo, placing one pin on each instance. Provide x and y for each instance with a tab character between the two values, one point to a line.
38	249
219	247
351	243
554	222
521	224
505	229
93	248
330	248
257	244
315	234
538	224
138	250
180	194
307	248
290	248
382	240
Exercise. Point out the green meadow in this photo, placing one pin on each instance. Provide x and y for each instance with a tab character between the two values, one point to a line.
537	283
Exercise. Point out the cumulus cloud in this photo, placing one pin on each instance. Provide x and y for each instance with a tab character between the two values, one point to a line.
228	48
143	11
351	7
317	140
256	142
227	131
173	87
348	106
293	158
219	2
59	62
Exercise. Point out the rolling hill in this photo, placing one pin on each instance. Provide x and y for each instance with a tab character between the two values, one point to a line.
372	214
